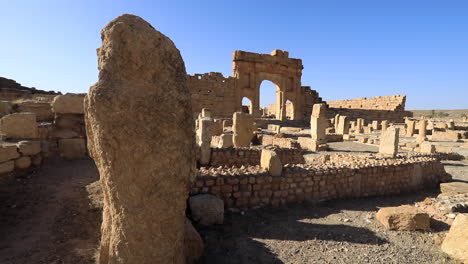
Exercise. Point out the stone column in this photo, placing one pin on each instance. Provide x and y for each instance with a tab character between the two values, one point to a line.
318	124
422	131
389	142
343	125
336	121
359	126
204	134
144	151
375	125
410	124
270	161
243	128
384	125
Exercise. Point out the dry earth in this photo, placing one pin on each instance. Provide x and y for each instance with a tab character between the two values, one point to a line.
47	217
442	114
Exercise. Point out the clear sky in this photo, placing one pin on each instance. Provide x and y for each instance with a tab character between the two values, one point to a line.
349	49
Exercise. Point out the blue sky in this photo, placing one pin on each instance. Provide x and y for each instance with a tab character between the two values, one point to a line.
349	49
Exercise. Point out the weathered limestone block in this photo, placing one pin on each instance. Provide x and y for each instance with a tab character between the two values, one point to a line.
5	108
207	209
389	142
270	161
451	124
140	133
193	243
274	128
343	125
454	187
318	123
29	147
456	242
426	147
217	128
23	162
42	109
375	125
68	104
384	125
72	148
403	218
204	130
69	121
19	125
7	166
225	141
422	126
243	128
8	152
359	126
410	124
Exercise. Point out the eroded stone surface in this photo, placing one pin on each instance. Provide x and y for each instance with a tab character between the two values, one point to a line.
403	218
140	134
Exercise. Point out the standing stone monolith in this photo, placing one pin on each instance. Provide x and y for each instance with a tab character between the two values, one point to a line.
204	133
343	125
410	124
336	121
140	134
359	126
318	124
384	125
389	142
243	128
422	126
375	125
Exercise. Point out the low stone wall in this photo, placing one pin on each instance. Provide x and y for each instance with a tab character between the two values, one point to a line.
281	142
19	157
334	137
251	156
449	135
253	187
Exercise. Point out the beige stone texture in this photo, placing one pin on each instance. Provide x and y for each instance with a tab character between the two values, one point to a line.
410	125
422	126
274	128
270	161
403	218
207	209
456	242
36	160
5	108
19	125
68	104
384	126
43	110
318	123
72	148
427	147
375	125
8	152
225	141
29	147
205	126
7	166
217	128
23	162
146	154
243	128
389	142
454	187
193	244
343	125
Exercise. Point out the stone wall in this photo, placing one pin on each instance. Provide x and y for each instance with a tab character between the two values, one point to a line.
252	186
251	156
391	108
212	91
10	90
279	141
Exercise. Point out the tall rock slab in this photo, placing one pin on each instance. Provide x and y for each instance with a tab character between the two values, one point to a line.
140	134
389	142
318	123
243	128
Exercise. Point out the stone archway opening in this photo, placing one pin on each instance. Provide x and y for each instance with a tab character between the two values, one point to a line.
289	113
247	106
268	97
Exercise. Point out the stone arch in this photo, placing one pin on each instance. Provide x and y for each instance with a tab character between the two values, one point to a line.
251	69
249	107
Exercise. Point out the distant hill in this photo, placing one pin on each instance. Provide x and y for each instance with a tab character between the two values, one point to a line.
441	114
11	90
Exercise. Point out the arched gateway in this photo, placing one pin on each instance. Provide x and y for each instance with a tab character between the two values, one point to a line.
223	95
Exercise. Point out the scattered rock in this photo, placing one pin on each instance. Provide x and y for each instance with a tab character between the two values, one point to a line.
456	242
207	209
403	218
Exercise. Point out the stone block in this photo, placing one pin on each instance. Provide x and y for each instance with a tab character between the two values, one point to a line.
5	108
8	152
7	166
23	162
426	147
19	125
73	148
403	218
270	161
207	209
29	147
456	242
454	187
225	141
68	104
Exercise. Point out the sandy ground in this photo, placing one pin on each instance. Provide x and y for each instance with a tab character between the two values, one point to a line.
47	217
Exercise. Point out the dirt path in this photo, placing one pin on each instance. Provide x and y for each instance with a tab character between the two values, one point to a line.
45	216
